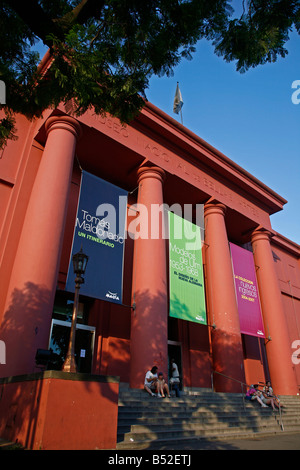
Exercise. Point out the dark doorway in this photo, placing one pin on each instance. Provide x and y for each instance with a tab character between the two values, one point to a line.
174	352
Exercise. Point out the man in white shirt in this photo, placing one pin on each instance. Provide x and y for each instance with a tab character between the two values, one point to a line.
175	373
150	383
175	380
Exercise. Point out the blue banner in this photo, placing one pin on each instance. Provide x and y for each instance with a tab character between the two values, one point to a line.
100	231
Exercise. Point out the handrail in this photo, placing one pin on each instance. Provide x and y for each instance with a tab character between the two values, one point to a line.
227	377
231	378
280	416
242	384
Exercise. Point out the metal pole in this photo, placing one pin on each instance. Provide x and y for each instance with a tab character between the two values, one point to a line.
242	387
281	423
70	363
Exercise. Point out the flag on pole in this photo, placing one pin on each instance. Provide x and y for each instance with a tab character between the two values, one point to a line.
178	103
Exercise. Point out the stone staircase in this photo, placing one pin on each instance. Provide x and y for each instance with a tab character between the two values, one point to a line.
151	422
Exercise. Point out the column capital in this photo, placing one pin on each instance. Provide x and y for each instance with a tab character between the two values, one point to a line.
260	233
64	122
212	206
151	172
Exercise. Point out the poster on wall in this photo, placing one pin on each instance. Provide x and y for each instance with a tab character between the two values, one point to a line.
187	297
251	322
100	232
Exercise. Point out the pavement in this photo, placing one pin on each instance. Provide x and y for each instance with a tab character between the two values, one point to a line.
282	441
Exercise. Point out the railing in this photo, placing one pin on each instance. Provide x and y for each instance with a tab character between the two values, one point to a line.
280	416
230	378
243	393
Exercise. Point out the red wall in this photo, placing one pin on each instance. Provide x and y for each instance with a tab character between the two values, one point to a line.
288	271
18	167
254	360
60	411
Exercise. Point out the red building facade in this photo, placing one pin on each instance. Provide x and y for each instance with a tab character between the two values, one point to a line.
157	161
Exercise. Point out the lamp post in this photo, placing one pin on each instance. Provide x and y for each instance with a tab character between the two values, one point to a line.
79	264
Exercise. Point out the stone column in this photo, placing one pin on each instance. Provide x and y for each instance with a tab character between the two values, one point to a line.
278	348
28	312
149	321
226	339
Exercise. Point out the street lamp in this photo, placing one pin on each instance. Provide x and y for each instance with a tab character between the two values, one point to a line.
79	264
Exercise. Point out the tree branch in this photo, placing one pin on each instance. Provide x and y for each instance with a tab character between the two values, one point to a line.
42	25
83	11
36	19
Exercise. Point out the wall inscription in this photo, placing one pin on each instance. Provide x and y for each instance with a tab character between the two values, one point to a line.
175	164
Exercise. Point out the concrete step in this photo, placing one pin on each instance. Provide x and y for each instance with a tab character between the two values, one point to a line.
195	410
8	445
142	396
197	414
157	419
201	420
187	396
143	431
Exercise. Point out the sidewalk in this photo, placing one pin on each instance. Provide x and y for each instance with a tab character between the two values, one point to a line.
284	441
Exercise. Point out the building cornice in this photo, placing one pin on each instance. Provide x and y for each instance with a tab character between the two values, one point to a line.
203	153
286	244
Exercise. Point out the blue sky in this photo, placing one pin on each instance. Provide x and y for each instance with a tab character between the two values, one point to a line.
248	117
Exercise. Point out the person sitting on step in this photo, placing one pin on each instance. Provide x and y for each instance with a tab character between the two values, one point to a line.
269	395
151	381
162	386
254	394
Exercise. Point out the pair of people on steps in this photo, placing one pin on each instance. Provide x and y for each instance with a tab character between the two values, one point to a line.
264	397
156	383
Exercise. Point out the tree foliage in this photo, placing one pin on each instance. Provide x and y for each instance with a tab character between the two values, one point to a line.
103	52
260	34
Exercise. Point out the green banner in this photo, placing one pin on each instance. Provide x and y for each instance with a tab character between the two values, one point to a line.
187	297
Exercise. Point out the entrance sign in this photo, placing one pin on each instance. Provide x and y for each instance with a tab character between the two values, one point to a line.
100	231
187	297
251	322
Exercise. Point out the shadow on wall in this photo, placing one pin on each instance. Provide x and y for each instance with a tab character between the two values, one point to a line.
151	330
227	352
23	400
59	411
25	328
227	348
195	349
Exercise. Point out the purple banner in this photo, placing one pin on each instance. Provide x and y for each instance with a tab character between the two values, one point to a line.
251	322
